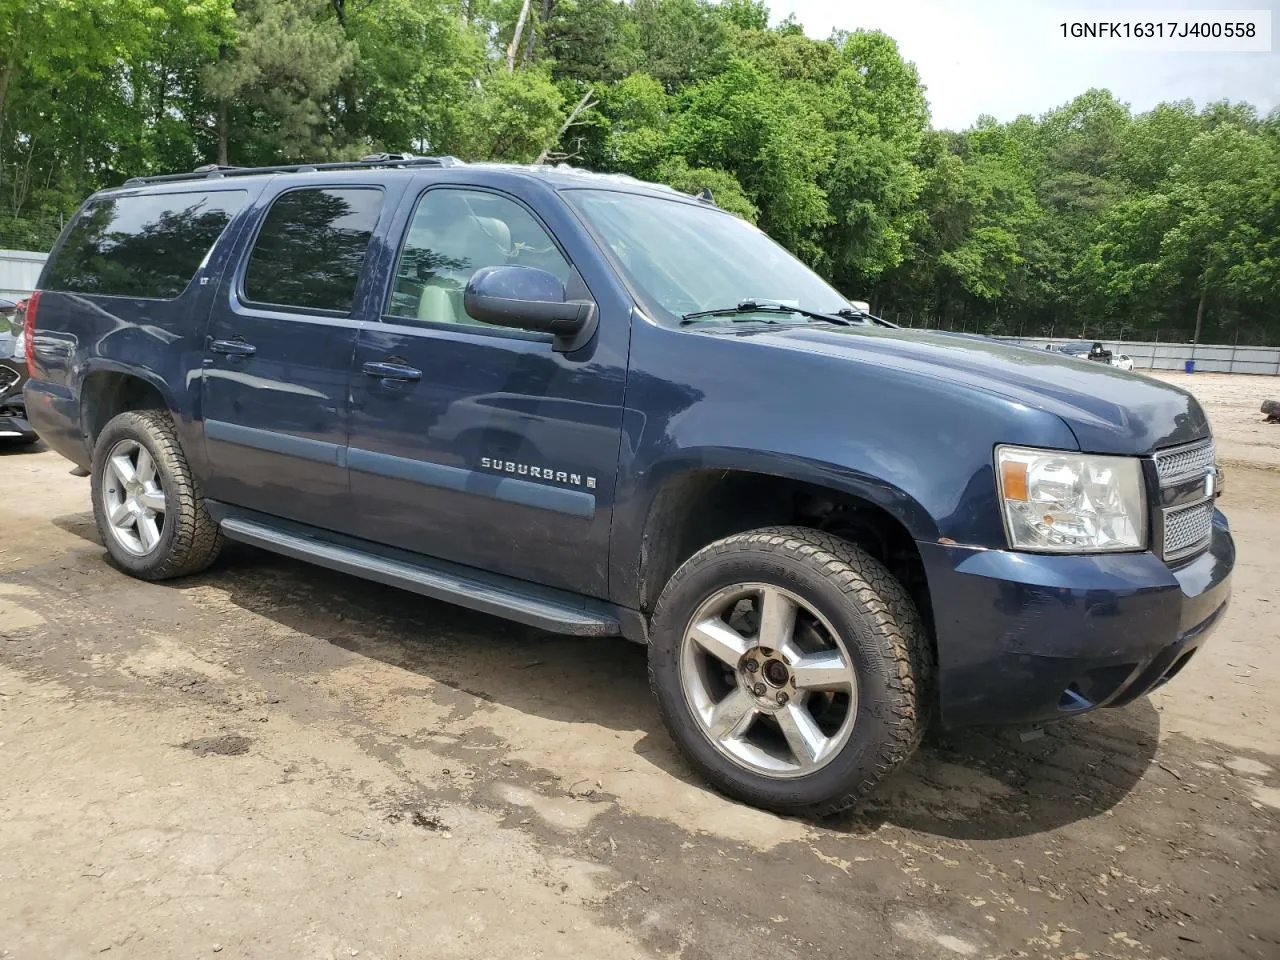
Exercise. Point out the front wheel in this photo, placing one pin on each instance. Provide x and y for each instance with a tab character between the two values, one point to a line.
791	668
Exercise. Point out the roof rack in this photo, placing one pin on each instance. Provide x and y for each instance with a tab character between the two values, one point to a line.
212	171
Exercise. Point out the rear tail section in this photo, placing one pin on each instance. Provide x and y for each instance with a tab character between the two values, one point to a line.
29	334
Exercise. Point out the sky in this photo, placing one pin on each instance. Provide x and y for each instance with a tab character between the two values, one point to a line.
1000	57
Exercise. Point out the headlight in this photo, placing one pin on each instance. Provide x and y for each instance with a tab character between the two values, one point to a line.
1057	502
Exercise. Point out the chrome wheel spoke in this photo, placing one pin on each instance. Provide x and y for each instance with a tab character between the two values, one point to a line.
777	619
145	469
731	717
148	533
131	498
801	731
153	500
119	515
123	468
825	670
720	640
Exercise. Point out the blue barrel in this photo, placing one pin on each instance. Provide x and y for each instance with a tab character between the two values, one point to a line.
1190	366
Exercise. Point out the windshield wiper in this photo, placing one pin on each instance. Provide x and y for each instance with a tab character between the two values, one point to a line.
766	306
862	317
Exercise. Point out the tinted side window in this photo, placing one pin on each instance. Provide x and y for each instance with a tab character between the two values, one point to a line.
147	245
453	234
311	248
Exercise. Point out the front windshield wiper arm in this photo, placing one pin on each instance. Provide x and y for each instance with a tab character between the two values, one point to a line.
765	306
862	317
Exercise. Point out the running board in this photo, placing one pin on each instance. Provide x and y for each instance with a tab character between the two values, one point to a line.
525	603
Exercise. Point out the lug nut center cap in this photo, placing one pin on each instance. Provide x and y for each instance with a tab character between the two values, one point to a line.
776	672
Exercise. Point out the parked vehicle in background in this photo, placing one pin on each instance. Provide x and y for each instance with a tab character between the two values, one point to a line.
1085	351
1095	352
603	407
14	428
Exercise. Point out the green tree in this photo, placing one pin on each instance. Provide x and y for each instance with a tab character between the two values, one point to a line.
509	116
1211	230
873	107
771	138
91	91
589	41
415	72
680	41
275	72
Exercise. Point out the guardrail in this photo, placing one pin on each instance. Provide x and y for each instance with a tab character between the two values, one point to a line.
1208	357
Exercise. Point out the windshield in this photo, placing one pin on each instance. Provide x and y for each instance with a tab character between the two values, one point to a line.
683	258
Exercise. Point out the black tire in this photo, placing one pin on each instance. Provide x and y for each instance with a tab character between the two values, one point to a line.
879	626
189	538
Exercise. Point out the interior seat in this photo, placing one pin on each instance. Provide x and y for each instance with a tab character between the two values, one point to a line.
468	242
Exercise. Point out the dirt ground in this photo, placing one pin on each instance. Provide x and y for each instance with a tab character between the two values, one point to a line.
1234	403
274	761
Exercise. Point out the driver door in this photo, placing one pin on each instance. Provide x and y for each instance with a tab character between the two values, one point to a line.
473	443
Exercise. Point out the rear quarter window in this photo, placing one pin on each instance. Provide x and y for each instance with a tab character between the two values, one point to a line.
146	245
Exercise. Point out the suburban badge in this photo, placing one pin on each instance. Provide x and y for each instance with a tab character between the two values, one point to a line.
538	473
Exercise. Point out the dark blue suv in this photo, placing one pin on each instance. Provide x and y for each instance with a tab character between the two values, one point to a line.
602	407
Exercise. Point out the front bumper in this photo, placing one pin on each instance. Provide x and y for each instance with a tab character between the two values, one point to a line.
14	426
1025	638
13	412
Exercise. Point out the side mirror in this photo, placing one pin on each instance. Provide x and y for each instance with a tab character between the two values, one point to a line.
527	298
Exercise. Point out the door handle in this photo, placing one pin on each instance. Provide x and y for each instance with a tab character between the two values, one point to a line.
390	370
235	347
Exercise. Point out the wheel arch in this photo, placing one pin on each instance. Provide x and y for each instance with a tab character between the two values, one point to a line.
108	388
694	504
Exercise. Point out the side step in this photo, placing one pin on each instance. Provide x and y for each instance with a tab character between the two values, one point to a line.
540	607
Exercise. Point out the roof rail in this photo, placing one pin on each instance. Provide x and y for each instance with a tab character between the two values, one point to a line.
212	171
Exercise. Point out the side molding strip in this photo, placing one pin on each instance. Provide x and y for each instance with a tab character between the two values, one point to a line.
286	443
541	496
439	581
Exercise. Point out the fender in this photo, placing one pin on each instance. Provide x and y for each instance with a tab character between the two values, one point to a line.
913	444
182	409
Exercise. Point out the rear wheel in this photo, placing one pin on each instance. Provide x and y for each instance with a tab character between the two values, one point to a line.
791	668
150	512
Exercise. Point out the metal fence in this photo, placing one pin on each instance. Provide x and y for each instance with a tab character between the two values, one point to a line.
1207	357
29	233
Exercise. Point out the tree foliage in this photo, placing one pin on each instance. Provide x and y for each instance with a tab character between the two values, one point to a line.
1087	220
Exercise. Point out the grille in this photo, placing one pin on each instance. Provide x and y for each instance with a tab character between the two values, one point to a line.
7	378
1184	463
1187	529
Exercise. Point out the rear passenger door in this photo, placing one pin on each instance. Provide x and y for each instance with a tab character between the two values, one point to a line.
278	349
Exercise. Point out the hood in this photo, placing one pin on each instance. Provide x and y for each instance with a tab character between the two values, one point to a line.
1108	410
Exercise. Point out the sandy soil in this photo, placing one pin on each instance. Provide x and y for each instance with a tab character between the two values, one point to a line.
1234	405
273	761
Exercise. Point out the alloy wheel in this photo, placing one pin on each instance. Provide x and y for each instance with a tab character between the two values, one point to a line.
769	681
133	498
